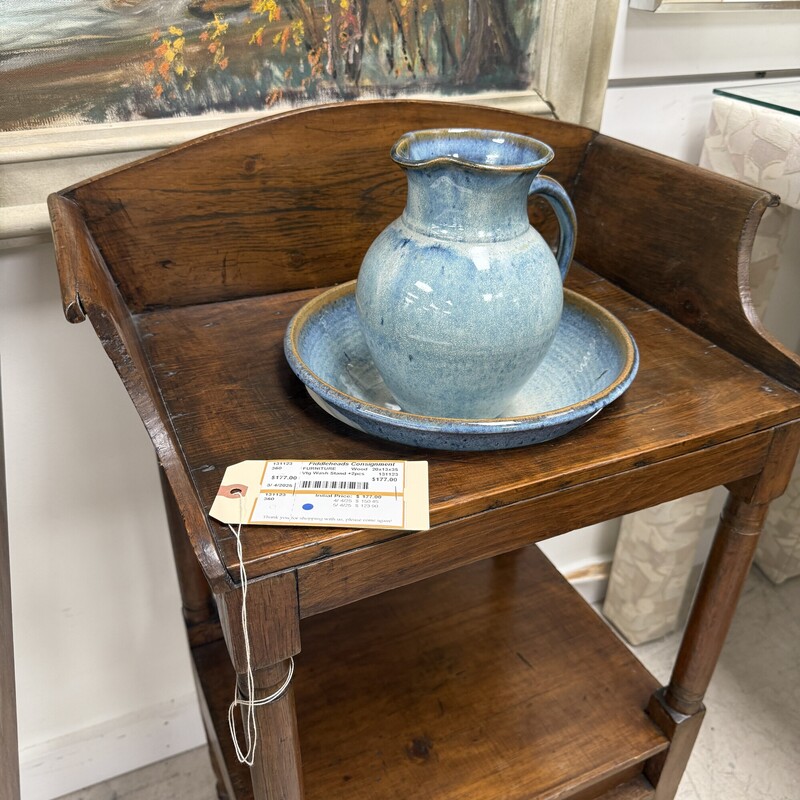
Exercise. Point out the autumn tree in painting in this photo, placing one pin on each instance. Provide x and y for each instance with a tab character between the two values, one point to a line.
343	48
185	57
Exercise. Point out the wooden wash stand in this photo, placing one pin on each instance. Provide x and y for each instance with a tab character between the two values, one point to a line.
453	663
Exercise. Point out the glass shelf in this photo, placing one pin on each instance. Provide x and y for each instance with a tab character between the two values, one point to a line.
779	96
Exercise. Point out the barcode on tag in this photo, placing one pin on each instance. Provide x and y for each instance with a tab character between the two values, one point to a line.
360	485
354	493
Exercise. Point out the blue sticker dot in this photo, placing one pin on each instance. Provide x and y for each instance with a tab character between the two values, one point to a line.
308	506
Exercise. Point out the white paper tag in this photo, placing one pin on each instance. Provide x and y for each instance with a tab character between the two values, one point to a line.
365	494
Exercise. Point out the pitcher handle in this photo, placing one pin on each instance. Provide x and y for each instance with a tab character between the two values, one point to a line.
554	193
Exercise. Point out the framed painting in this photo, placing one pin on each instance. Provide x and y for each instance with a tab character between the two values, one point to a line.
101	61
86	85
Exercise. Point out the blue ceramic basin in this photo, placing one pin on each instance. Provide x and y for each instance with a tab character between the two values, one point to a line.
591	362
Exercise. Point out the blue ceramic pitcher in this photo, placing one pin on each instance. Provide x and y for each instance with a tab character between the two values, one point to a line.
460	297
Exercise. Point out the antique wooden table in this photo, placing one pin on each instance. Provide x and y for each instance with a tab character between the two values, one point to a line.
453	662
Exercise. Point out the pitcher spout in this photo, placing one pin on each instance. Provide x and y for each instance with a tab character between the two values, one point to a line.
480	150
469	185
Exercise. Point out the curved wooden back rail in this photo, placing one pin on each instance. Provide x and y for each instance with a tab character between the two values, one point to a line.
696	219
286	203
175	259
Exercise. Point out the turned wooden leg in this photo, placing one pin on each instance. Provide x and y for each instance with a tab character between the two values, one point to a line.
276	772
725	573
678	709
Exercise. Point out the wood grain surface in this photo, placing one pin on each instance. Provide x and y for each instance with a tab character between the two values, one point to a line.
493	681
229	402
274	636
287	203
341	578
679	238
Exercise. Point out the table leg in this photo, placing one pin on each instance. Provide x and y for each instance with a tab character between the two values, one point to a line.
199	611
726	570
273	631
276	771
679	709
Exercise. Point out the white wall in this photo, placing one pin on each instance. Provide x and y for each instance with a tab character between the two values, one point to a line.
665	66
103	677
649	46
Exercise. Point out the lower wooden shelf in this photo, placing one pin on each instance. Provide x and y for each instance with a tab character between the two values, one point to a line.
492	682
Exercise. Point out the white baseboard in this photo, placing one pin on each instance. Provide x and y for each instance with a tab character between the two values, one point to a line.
590	581
85	757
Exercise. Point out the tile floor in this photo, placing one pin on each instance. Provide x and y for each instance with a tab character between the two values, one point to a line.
748	748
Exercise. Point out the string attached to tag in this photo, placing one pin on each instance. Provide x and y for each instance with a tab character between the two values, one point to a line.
249	702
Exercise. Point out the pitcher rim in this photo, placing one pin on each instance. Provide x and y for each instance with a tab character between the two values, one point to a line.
406	162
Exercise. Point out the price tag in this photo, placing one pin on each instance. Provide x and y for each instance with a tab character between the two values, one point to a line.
350	494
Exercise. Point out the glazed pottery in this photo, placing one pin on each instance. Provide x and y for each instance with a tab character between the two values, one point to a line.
460	298
592	361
